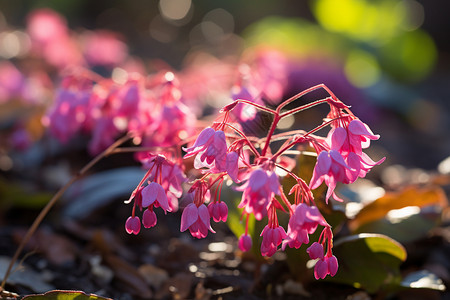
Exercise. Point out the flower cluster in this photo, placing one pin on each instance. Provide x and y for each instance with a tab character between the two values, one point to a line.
224	150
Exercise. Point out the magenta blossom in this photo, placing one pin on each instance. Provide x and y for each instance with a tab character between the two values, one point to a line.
272	237
331	168
325	264
154	194
133	225
303	221
259	189
197	219
210	147
218	211
149	218
245	242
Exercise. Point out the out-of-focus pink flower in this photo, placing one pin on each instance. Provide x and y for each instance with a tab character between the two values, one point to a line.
45	25
11	81
272	237
245	242
218	211
20	139
258	191
133	225
104	48
210	147
197	220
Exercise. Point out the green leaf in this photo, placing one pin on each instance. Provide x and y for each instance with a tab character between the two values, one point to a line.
369	261
423	280
64	295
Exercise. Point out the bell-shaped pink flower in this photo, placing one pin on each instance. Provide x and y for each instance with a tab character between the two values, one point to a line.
259	189
331	168
197	219
210	147
326	266
155	194
245	242
315	251
272	237
303	221
218	211
133	225
149	218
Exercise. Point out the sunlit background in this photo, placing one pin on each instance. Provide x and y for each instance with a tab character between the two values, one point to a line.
390	54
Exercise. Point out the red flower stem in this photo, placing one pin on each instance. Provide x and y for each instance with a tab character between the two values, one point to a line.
55	198
260	107
297	96
252	147
275	121
246	224
304	107
296	141
286	201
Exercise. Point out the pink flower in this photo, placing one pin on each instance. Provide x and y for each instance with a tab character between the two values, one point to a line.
104	48
245	242
303	221
149	218
197	219
210	147
133	225
354	138
325	264
331	168
272	237
259	189
155	194
218	211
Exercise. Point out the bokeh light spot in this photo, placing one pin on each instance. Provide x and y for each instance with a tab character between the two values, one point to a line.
362	69
175	9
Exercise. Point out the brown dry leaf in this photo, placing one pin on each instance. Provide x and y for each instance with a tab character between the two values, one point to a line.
409	196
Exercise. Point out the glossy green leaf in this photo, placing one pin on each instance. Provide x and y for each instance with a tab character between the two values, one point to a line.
369	261
65	295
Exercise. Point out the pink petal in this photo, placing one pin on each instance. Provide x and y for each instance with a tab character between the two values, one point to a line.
332	265
257	180
338	138
162	199
204	216
189	216
357	127
202	139
149	218
320	269
245	242
133	225
337	157
150	193
232	166
315	251
223	211
323	163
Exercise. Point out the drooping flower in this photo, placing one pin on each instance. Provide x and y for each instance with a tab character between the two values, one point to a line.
218	211
197	220
272	238
325	265
245	242
133	225
210	147
149	218
303	221
258	191
155	194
